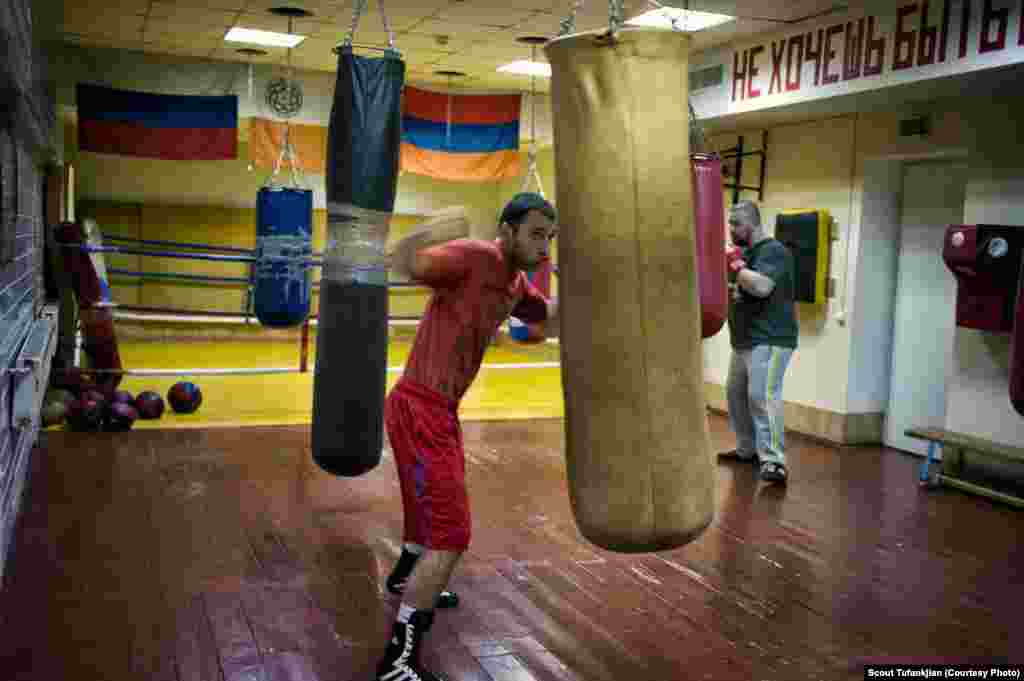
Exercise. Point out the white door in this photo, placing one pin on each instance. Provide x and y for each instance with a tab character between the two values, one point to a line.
925	309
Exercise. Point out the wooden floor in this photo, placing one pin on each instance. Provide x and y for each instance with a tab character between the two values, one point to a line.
225	555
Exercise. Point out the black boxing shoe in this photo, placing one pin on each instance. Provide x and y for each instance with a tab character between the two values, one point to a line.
401	661
734	455
446	599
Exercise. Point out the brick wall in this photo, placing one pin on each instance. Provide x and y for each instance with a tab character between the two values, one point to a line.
26	142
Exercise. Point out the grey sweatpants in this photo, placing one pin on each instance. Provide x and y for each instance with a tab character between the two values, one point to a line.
755	401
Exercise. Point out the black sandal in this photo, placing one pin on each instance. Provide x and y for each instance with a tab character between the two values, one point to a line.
773	471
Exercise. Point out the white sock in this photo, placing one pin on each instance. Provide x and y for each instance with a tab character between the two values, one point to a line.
404	613
415	549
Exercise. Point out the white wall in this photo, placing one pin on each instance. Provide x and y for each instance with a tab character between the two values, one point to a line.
810	165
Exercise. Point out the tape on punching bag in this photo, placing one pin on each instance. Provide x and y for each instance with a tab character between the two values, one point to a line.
363	142
641	475
284	245
709	228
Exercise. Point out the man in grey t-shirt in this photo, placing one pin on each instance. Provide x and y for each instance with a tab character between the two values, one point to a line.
763	332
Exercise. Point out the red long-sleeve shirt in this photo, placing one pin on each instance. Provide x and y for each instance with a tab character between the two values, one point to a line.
475	290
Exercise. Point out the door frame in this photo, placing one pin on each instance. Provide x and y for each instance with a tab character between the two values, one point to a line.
881	366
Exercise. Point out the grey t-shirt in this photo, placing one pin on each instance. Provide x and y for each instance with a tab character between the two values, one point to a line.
772	320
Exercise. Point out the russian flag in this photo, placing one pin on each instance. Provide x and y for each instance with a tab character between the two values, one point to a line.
172	127
460	138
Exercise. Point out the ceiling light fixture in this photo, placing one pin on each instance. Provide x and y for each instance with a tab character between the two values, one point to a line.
673	18
265	38
525	67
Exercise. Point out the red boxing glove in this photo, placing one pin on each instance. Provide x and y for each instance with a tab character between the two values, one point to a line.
734	259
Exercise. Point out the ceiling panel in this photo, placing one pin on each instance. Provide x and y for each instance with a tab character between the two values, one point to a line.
167	7
447	41
104	23
480	34
486	13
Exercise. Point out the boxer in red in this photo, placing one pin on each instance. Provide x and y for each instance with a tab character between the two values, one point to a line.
476	285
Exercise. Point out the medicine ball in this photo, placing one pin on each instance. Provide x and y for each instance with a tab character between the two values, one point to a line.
184	397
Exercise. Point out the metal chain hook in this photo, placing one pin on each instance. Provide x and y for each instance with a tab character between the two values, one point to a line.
357	13
615	16
568	25
387	25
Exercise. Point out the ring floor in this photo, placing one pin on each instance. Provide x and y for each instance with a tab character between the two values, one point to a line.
517	380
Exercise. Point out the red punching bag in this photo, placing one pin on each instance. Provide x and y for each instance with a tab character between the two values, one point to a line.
709	228
1017	350
88	281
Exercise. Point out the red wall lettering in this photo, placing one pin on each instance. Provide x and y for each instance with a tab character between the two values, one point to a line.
853	53
778	50
965	21
829	54
752	71
791	71
739	75
811	53
944	33
874	52
989	16
904	38
929	38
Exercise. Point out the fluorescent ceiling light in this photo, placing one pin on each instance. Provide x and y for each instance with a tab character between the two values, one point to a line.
686	20
528	68
266	38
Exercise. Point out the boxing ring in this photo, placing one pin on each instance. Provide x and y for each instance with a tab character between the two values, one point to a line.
254	375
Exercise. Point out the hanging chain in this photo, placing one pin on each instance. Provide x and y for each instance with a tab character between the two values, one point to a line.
531	165
568	24
357	13
387	25
291	71
533	105
615	16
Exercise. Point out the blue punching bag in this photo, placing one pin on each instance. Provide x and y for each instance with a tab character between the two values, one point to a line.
363	144
284	245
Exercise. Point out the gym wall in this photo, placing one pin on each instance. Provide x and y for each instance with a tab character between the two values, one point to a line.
811	164
837	384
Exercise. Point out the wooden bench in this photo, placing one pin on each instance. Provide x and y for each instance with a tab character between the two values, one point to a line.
954	445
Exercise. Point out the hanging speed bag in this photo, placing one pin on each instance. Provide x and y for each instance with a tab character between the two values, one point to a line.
363	143
709	229
640	470
284	245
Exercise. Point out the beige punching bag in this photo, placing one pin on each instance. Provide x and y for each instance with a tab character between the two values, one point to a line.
640	469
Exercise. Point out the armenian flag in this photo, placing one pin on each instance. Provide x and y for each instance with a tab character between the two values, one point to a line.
460	138
173	127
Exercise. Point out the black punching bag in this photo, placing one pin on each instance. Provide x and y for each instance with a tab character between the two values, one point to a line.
363	144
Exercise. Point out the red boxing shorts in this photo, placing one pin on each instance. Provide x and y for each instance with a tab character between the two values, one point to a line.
423	428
